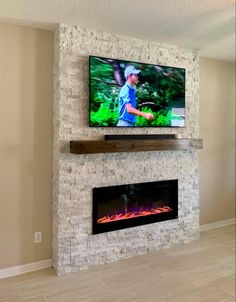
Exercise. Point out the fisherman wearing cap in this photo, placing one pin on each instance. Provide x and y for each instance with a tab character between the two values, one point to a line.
127	100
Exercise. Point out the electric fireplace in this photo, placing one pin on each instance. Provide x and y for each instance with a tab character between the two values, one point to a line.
130	205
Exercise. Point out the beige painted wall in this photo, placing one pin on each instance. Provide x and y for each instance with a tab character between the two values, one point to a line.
25	144
217	128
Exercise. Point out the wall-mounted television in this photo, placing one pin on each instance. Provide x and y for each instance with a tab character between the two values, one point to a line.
134	94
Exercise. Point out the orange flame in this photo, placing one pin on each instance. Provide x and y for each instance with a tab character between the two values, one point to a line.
128	215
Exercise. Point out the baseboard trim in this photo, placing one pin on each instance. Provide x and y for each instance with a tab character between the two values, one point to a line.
218	224
25	268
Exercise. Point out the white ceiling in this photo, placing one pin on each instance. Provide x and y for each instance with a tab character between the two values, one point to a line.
208	25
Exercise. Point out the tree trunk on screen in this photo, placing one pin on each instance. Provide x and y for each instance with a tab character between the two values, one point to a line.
117	72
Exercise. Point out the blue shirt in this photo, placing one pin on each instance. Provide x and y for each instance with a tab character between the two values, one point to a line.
127	96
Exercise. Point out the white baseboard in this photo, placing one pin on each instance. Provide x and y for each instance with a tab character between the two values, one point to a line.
218	224
25	268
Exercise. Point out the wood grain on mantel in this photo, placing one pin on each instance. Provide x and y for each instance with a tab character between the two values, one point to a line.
113	146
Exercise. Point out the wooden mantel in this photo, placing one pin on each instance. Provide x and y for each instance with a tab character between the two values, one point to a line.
112	146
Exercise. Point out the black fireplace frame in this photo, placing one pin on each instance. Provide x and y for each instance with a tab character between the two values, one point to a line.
137	221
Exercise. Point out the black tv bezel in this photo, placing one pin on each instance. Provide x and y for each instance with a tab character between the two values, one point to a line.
133	127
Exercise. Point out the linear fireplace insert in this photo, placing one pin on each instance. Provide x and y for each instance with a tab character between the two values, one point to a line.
130	205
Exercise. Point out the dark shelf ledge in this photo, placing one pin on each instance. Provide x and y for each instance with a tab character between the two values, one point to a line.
113	146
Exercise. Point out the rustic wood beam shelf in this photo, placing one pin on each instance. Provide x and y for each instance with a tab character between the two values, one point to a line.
113	146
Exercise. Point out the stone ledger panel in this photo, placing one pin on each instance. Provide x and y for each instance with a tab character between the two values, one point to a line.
74	246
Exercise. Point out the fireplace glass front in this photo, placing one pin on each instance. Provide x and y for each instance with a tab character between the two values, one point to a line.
130	205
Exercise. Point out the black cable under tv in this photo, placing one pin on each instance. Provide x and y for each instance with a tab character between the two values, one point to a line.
138	136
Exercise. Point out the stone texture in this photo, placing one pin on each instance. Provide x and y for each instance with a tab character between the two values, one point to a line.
74	247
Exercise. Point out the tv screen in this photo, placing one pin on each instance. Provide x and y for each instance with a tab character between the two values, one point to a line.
133	94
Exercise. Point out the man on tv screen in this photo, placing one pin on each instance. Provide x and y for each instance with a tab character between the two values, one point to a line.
127	100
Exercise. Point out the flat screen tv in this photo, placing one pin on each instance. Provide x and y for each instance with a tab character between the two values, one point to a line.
134	94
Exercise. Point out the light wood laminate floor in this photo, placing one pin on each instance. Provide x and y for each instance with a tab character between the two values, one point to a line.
202	271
